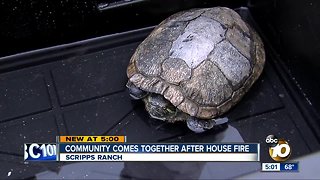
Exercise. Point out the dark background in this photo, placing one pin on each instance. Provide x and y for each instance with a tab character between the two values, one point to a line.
28	25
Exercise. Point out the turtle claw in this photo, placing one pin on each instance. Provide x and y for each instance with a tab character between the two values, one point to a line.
221	121
198	125
135	92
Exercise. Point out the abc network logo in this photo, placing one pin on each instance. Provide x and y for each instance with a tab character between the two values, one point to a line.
279	149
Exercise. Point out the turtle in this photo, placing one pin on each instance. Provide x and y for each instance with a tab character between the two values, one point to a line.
195	66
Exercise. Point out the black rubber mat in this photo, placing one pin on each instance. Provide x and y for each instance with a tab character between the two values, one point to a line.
79	89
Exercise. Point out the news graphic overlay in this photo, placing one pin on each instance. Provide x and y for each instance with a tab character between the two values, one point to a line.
280	167
280	151
158	152
49	151
40	152
92	139
116	148
77	149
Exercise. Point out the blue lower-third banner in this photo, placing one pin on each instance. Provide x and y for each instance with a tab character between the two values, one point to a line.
142	152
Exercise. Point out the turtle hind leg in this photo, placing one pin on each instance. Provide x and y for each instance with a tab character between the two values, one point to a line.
135	92
198	125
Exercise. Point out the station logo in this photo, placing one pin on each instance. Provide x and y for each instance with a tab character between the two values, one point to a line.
279	149
40	152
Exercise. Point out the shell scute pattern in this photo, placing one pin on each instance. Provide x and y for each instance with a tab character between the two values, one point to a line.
207	86
203	61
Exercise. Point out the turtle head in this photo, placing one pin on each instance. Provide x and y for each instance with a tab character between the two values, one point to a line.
160	108
157	106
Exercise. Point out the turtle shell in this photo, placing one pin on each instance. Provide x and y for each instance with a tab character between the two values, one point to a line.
202	60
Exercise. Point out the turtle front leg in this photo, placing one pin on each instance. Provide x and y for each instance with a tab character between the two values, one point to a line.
135	92
198	125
